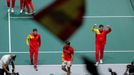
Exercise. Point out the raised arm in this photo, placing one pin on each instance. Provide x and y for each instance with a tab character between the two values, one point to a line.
94	28
109	28
27	40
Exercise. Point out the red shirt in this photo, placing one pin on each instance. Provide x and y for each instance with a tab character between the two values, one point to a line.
67	53
101	37
34	40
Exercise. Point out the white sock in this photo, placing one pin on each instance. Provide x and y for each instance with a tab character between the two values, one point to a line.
12	10
21	10
101	61
97	63
8	9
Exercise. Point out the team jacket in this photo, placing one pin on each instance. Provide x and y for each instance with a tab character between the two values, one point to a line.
101	36
67	54
33	40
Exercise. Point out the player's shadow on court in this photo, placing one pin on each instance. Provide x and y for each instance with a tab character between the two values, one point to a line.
29	63
13	15
90	66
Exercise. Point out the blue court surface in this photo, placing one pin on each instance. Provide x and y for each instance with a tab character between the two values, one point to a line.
119	50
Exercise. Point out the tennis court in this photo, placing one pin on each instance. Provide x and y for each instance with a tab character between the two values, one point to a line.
119	50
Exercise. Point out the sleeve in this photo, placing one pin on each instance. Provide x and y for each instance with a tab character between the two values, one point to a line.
94	29
27	40
109	30
39	40
5	59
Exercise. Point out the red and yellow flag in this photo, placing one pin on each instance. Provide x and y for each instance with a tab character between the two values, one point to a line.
62	18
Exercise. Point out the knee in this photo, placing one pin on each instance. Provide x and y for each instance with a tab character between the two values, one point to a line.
63	67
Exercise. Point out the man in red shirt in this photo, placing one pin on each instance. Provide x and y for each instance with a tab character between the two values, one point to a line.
101	35
67	57
34	41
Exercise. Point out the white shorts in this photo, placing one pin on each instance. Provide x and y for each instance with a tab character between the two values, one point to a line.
67	63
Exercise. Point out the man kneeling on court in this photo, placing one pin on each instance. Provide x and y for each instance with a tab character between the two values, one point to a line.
5	61
67	57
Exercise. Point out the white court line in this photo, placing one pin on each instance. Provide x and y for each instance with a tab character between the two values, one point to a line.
84	17
77	69
9	32
56	52
75	64
21	17
108	16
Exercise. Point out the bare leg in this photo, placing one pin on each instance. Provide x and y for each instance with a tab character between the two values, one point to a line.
64	68
69	70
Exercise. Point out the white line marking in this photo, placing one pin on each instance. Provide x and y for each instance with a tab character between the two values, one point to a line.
108	16
83	17
9	32
56	52
21	17
75	64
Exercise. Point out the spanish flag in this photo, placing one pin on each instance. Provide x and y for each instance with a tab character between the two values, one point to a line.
62	18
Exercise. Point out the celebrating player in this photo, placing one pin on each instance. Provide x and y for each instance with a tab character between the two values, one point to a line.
5	61
28	4
101	35
67	57
34	41
13	4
